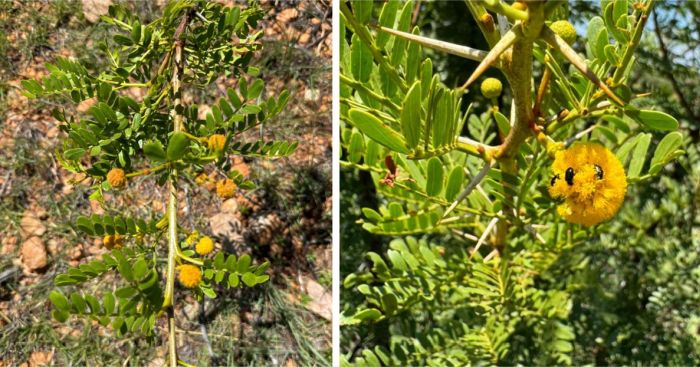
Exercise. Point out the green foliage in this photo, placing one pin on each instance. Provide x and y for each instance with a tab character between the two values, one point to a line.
464	178
106	224
190	46
118	128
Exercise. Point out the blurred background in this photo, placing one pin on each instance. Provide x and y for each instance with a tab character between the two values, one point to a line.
639	305
284	322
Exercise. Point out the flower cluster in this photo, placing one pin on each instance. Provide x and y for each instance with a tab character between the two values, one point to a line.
204	246
113	241
590	180
116	178
189	275
216	142
225	188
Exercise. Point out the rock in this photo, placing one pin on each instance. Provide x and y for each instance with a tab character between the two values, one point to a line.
33	253
92	9
9	244
321	298
264	229
323	256
53	246
31	225
311	94
191	310
86	104
40	358
287	15
229	206
96	207
241	166
226	226
202	111
75	253
304	38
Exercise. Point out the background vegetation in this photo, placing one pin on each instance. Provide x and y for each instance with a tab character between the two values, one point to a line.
286	219
634	291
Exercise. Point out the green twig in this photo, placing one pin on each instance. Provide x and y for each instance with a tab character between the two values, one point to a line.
361	31
632	46
505	9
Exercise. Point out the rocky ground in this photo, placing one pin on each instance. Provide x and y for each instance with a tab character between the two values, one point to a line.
286	219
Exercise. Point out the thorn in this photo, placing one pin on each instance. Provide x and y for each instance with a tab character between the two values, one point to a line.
579	135
492	57
482	239
560	45
472	184
450	48
491	255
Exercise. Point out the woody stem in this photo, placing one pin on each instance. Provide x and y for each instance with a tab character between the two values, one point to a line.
177	64
518	71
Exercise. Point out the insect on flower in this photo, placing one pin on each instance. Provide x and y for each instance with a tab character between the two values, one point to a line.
591	182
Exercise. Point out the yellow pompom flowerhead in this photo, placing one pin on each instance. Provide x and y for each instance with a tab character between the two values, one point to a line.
216	142
113	241
189	276
116	177
204	246
491	88
591	181
225	188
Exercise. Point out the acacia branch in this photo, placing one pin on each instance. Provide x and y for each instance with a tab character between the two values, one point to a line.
173	249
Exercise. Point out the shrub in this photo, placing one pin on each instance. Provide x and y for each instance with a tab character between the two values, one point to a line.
449	173
160	136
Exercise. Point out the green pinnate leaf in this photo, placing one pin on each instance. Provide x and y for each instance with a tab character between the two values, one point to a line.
454	183
360	60
59	300
377	131
639	156
154	151
249	279
411	115
243	263
436	175
655	120
177	146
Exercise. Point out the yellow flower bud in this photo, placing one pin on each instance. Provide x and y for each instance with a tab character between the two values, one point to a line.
116	178
519	5
201	178
190	276
491	88
192	238
204	246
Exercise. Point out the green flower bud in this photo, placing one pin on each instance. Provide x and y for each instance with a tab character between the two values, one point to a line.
491	88
565	30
